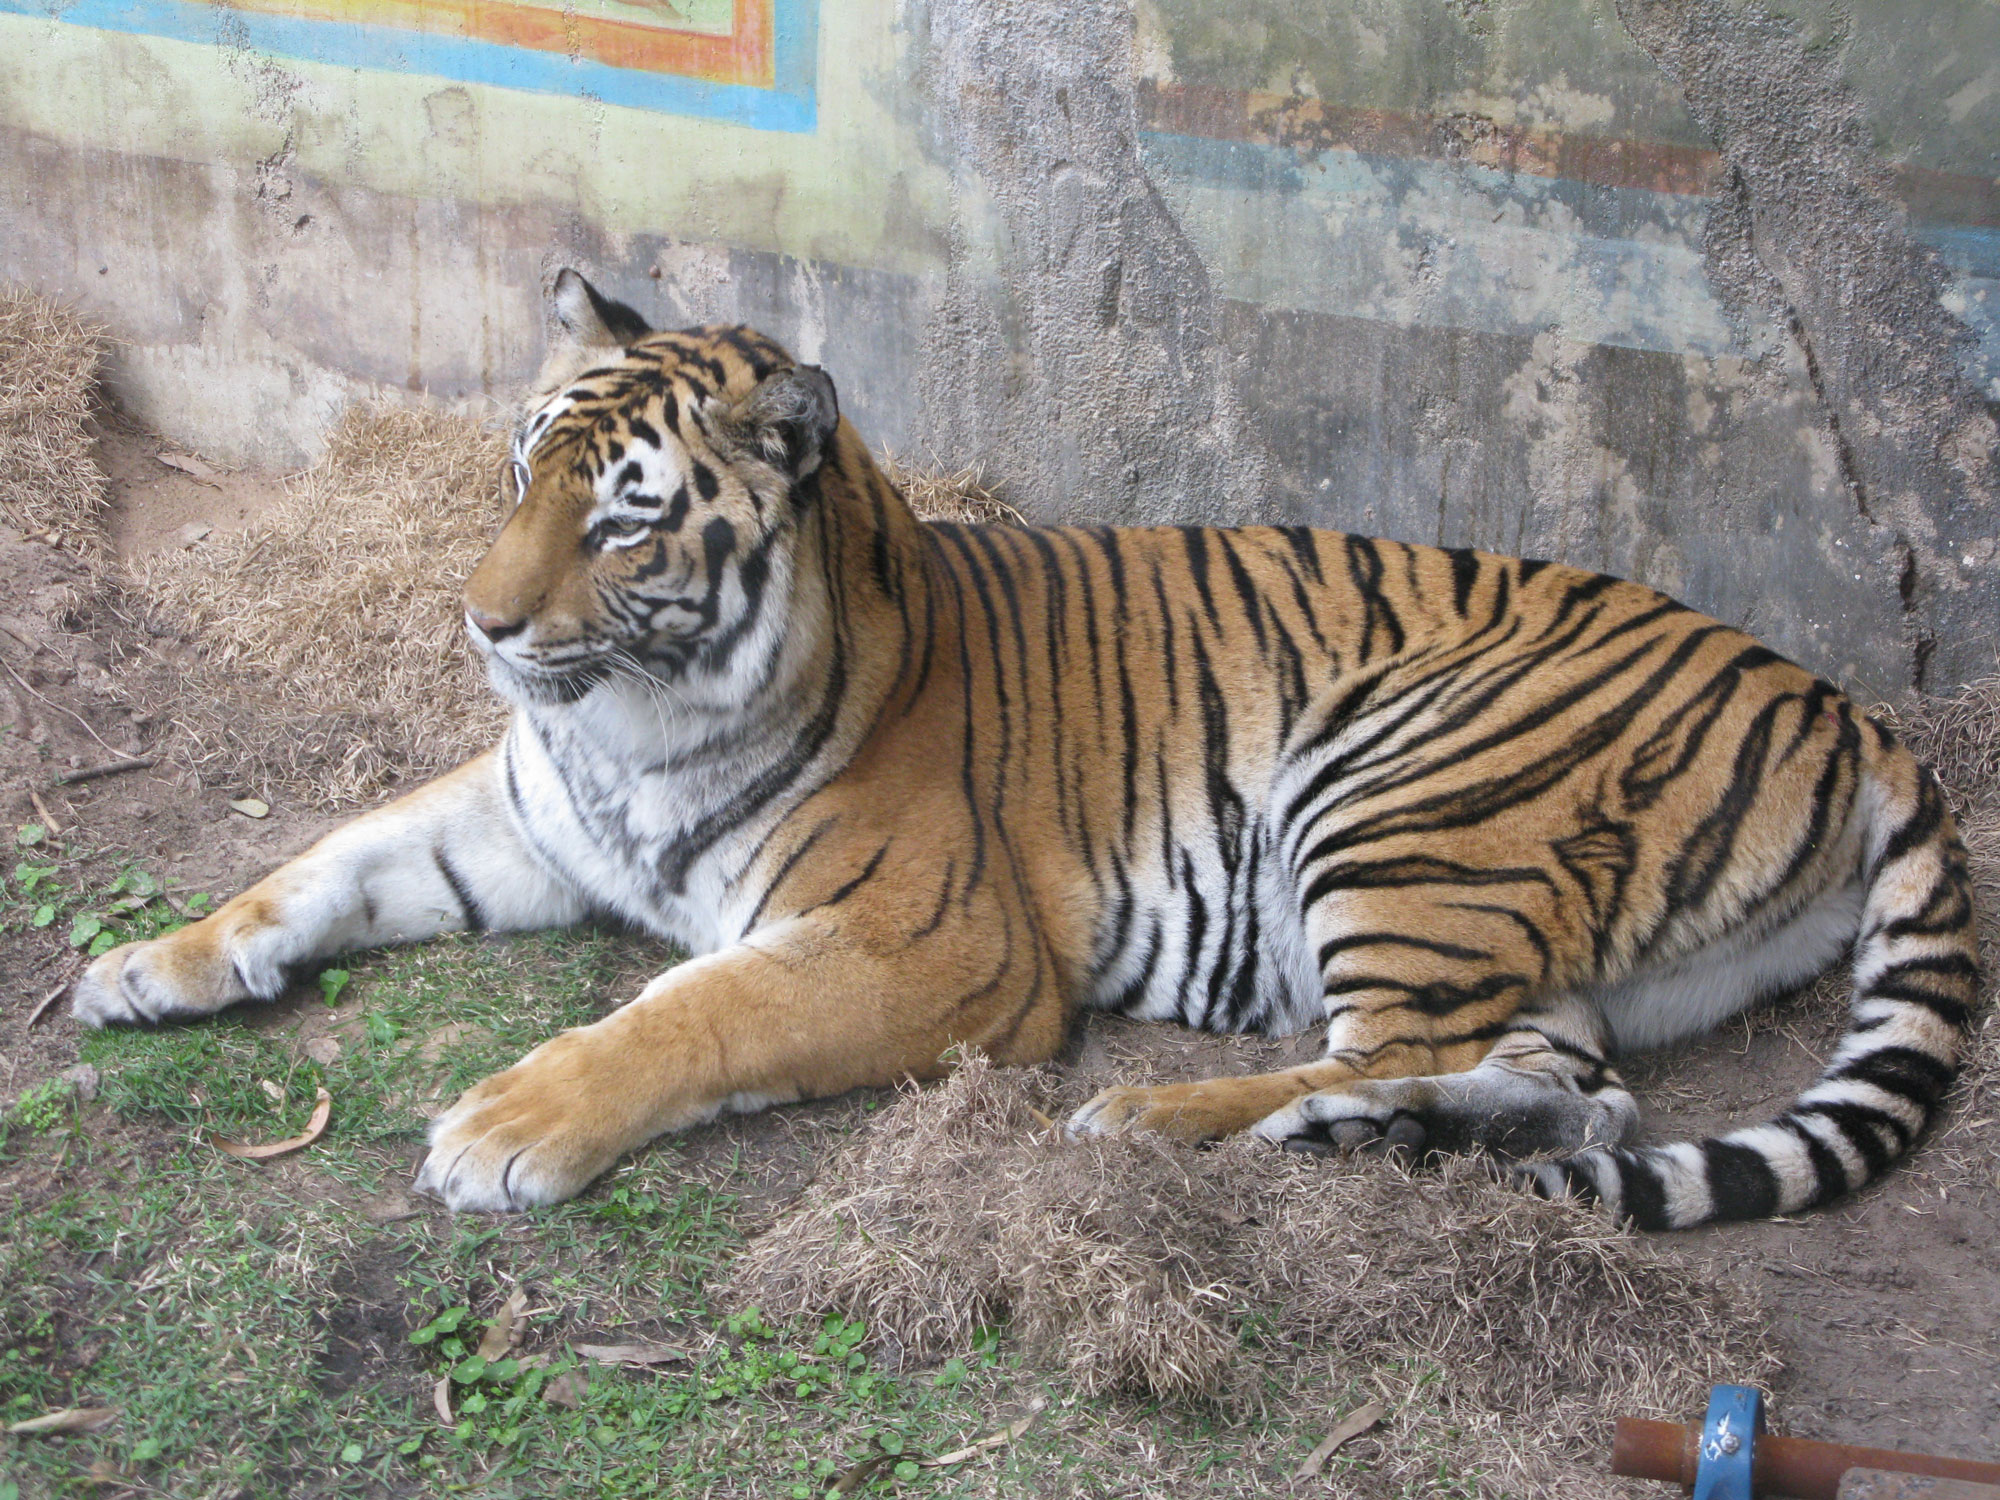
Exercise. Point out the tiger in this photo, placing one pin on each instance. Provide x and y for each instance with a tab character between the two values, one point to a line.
906	790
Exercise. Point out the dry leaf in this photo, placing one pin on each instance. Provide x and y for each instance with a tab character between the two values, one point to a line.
271	1091
861	1473
500	1336
632	1354
189	465
566	1389
441	1399
250	807
998	1439
1352	1425
323	1050
65	1421
315	1128
191	533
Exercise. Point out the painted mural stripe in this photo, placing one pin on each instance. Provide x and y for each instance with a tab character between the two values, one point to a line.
789	104
1310	127
744	55
1425	243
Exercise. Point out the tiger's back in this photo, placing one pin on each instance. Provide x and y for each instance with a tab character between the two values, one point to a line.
1210	717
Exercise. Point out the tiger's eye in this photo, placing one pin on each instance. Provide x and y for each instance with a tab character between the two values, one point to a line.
620	527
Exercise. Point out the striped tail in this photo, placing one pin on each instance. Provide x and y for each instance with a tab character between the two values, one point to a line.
1916	985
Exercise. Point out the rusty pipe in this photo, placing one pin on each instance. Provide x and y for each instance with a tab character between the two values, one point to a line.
1795	1467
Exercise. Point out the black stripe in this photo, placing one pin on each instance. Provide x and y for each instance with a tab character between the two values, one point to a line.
1333	946
468	904
1642	1190
1741	1184
1828	1168
1903	1071
1920	828
867	874
803	847
1856	1122
1246	591
1464	573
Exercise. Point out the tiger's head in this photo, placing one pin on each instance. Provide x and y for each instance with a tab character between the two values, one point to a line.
660	479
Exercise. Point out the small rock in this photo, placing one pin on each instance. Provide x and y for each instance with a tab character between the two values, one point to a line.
390	1207
83	1078
323	1050
191	533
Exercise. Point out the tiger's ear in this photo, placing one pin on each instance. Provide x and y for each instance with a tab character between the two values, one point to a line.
587	317
787	420
585	326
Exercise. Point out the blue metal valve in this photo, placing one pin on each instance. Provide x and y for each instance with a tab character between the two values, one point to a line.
1729	1443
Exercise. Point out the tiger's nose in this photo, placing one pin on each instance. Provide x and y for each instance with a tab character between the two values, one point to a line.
494	627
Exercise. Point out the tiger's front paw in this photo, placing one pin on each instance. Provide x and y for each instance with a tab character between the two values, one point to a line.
187	973
1182	1111
532	1135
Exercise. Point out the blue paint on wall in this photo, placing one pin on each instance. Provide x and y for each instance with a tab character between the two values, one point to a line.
790	105
1415	242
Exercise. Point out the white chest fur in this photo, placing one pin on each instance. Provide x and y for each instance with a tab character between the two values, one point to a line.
644	813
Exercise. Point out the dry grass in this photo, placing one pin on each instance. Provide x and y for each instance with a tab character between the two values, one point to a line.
49	362
332	663
1505	1330
332	656
939	494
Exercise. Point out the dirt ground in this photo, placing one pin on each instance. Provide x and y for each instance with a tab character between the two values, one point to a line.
1887	1306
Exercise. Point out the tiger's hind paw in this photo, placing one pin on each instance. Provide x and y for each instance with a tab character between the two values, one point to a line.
1375	1117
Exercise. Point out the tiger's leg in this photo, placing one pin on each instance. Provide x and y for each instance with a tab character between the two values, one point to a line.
800	1009
1423	964
442	859
1544	1087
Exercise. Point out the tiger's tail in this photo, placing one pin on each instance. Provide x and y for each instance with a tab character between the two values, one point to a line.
1916	987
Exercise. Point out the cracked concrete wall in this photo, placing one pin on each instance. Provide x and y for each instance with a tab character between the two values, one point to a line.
1076	348
1705	345
1821	243
1704	292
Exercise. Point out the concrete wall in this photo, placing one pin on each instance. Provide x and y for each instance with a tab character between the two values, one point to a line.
1700	291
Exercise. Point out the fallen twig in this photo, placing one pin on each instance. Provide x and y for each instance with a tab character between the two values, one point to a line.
54	824
41	1006
997	1439
57	706
109	768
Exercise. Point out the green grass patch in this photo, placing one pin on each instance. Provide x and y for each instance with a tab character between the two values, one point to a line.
268	1330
